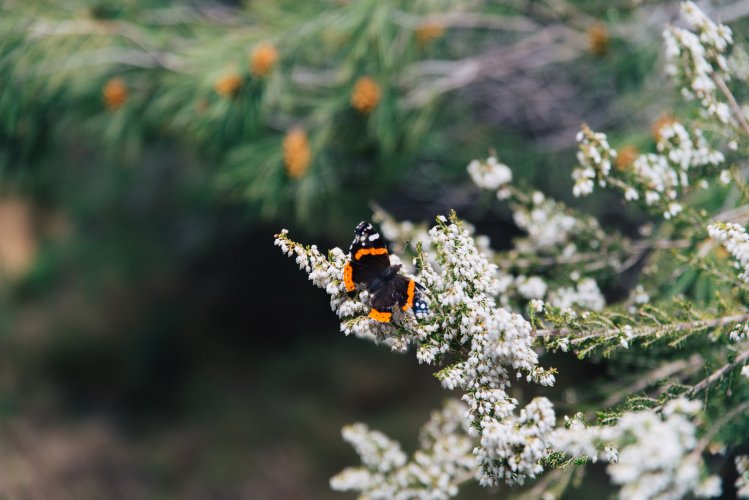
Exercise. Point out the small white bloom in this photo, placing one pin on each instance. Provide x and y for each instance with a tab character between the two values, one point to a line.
742	483
489	174
537	305
532	287
735	239
649	454
725	177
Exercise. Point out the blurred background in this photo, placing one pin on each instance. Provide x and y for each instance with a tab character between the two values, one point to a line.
153	341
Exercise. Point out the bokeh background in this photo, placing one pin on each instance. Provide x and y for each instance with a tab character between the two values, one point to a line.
153	341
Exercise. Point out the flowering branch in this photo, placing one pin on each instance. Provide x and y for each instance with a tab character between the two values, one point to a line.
492	313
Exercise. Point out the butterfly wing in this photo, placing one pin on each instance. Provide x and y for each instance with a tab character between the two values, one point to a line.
392	293
369	257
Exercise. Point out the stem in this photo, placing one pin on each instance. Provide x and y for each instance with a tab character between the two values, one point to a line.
696	325
719	373
732	103
653	377
705	441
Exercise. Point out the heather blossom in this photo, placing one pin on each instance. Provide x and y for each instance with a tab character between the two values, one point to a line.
649	454
734	238
489	174
462	285
742	483
697	59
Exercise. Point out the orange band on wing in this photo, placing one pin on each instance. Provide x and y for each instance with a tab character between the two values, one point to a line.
348	277
382	316
409	295
370	251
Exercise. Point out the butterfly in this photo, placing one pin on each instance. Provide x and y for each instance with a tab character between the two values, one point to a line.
369	264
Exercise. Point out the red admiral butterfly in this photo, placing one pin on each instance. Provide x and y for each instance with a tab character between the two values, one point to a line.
369	264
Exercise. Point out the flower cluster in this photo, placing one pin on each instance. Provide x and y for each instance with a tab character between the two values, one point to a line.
552	228
594	159
547	223
493	344
663	178
532	287
686	150
585	294
489	174
740	332
696	59
498	341
734	238
742	483
444	460
650	455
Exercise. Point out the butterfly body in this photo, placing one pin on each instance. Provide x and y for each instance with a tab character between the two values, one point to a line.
369	265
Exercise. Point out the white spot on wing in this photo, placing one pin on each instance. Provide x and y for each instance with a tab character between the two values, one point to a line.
374	236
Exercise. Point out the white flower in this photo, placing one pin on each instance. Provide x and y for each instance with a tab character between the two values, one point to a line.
631	194
532	287
537	305
649	455
742	483
610	454
594	159
673	210
548	224
693	58
376	450
586	294
443	460
725	177
739	332
734	238
710	487
639	296
489	174
745	371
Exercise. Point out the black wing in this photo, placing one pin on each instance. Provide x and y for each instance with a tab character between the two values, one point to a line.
369	257
392	293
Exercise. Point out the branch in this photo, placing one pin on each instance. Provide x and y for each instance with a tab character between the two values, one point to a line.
705	441
732	103
656	375
468	20
719	373
694	325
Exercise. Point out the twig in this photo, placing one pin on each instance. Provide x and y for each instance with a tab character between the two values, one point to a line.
738	215
654	376
696	325
705	441
732	103
719	373
468	20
